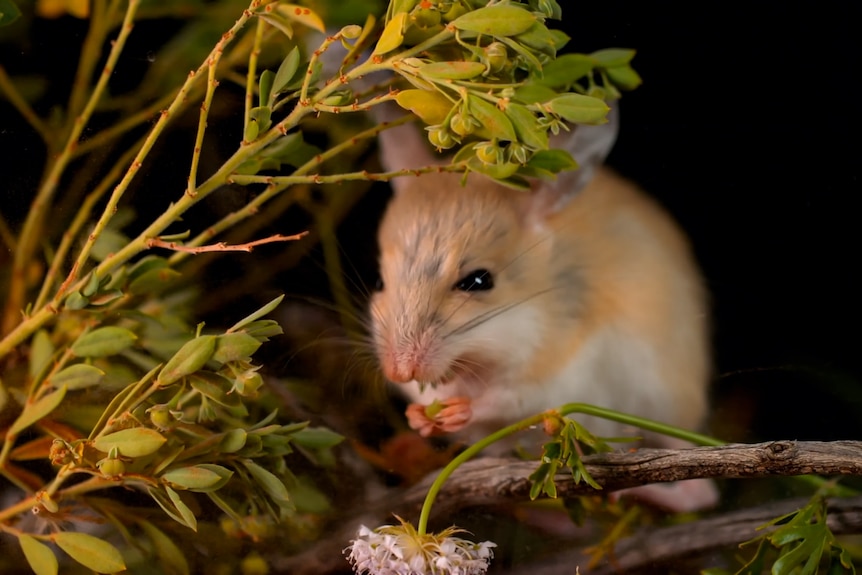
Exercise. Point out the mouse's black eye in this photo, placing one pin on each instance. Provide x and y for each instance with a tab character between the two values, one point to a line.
378	284
476	280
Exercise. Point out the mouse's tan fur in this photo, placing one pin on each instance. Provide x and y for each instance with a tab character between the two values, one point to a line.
596	299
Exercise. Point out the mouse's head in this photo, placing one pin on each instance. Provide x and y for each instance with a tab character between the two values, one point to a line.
464	267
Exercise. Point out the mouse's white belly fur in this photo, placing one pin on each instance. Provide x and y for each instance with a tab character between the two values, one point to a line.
612	369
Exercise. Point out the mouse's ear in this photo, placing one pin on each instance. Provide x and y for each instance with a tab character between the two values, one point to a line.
402	147
589	146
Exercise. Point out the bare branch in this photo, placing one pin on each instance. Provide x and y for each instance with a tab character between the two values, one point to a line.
489	482
221	246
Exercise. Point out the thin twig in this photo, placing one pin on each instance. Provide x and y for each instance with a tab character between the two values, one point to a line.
23	107
222	246
31	233
251	75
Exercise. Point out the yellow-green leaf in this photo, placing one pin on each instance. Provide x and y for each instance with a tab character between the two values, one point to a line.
102	342
302	15
33	412
579	109
78	376
204	477
492	119
235	346
431	107
498	20
182	508
192	356
452	70
273	486
41	350
613	57
90	551
393	34
625	77
40	557
527	127
133	442
172	560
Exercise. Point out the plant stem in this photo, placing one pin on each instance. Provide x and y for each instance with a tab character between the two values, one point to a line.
31	233
531	421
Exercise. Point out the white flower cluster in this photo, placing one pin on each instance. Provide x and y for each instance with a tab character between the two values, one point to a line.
400	550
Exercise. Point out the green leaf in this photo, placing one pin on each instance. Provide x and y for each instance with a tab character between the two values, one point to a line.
103	342
183	516
252	130
256	315
182	508
233	441
216	388
34	412
202	478
624	77
431	107
498	20
265	87
41	351
272	485
9	12
553	161
132	442
76	301
539	38
109	242
263	329
613	57
534	93
154	281
286	71
172	559
392	36
527	127
191	357
317	438
579	109
565	70
40	557
452	70
235	346
78	376
492	119
90	551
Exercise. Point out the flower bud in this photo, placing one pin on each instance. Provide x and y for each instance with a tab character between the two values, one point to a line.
496	56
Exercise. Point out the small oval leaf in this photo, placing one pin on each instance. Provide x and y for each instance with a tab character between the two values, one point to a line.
579	109
78	376
302	15
192	356
182	508
613	57
133	442
198	477
431	107
40	557
233	441
235	346
91	552
104	341
41	350
492	119
392	36
498	20
452	70
33	412
273	486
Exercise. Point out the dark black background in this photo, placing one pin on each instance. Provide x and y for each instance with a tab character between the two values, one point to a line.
746	128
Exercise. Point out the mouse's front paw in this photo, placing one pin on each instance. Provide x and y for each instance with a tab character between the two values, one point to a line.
442	416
